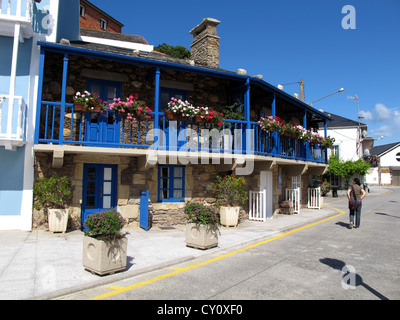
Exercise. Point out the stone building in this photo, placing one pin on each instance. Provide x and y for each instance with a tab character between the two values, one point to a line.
111	161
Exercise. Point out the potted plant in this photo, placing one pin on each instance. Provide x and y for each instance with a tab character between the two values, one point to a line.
230	191
270	123
87	101
131	107
51	194
209	115
180	110
104	244
202	227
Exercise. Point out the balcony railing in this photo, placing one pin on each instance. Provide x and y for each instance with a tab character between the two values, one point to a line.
12	119
16	10
63	125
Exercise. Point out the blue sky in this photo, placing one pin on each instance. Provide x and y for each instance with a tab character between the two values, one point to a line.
289	40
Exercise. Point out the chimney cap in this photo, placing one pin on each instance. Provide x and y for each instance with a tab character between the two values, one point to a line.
206	21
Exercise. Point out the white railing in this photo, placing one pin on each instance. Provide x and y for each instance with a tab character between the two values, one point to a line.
314	198
12	118
258	205
294	196
17	10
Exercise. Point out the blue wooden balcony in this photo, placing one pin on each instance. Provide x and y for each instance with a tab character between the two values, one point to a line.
60	124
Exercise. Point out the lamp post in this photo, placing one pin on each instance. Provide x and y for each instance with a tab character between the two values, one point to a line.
359	126
340	90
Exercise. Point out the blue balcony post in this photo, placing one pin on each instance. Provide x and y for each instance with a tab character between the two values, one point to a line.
247	133
274	134
157	99
325	135
157	106
63	96
39	95
305	144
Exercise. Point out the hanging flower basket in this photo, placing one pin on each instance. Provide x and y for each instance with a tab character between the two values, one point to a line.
173	116
131	107
199	119
88	102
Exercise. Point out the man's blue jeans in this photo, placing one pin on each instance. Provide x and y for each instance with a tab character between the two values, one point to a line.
357	214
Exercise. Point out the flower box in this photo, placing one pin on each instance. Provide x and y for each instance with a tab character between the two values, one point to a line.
173	116
201	236
80	107
104	257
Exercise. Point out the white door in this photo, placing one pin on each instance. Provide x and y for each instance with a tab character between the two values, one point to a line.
266	184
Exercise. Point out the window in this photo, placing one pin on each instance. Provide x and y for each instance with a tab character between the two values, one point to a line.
82	11
335	150
171	183
103	24
166	94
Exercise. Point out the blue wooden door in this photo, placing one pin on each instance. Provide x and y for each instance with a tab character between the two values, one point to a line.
103	127
144	210
99	190
173	129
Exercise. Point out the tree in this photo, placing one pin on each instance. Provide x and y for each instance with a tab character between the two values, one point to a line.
346	169
179	52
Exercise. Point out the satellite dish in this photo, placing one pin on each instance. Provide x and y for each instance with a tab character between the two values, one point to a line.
365	133
367	153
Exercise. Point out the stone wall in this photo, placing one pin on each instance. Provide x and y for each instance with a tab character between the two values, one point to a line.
131	181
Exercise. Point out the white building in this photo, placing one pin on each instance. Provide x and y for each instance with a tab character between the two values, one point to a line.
22	24
385	161
349	137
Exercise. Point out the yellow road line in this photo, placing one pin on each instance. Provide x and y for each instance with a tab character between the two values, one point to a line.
118	290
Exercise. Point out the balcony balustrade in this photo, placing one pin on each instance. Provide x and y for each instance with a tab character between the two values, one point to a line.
62	125
12	121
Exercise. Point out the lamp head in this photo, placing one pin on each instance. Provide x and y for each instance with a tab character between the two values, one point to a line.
341	90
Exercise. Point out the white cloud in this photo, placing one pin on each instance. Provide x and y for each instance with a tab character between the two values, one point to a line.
366	115
383	112
382	121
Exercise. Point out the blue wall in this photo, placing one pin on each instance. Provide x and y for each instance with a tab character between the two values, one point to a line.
11	180
68	20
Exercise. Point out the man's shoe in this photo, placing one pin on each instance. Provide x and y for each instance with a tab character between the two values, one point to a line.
351	225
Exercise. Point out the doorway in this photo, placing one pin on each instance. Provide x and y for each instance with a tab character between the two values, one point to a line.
103	128
99	191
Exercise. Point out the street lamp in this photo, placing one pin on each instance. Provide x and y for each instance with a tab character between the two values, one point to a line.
359	125
340	90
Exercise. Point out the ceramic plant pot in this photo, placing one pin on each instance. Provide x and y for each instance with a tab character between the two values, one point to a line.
229	216
58	220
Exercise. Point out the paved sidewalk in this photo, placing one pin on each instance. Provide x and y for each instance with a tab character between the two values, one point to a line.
42	265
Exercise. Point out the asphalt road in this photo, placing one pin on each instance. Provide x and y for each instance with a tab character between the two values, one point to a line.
326	261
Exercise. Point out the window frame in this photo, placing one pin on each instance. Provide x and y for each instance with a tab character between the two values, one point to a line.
82	11
103	24
171	93
171	177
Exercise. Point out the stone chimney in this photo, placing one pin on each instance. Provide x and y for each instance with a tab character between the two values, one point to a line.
205	44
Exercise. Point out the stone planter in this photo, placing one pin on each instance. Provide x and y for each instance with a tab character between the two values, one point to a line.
201	236
101	257
58	220
229	216
286	207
